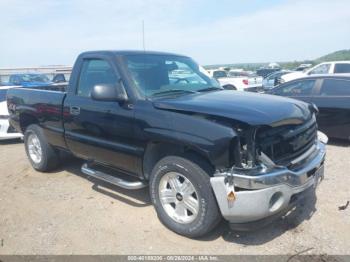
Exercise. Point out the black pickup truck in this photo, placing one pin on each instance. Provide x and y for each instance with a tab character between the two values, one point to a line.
158	120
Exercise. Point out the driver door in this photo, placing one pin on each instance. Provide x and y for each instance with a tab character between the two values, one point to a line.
98	130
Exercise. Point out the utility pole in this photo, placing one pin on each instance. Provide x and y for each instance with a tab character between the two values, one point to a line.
143	35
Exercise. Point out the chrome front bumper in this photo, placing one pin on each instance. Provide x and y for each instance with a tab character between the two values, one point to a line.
270	191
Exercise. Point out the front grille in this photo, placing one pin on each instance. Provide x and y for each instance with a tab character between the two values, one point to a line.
285	143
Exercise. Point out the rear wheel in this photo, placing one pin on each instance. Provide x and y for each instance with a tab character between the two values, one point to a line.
182	196
42	156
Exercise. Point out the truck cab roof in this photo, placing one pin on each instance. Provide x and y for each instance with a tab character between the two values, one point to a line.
128	52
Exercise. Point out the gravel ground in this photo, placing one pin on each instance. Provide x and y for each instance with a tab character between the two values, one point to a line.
64	212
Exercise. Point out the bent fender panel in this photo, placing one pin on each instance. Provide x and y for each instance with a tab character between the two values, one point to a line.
205	136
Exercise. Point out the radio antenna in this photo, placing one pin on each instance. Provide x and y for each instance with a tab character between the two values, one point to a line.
143	35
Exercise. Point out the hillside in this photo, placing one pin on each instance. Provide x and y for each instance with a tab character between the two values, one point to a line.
336	56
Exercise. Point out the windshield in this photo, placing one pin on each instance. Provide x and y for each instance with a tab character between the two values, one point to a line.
3	93
167	74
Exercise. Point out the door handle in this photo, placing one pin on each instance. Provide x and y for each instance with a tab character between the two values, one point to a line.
74	110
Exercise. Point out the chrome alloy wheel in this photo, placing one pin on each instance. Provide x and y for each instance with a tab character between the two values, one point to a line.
179	197
34	148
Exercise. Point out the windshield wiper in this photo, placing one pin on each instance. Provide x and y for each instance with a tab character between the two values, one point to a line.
173	91
212	88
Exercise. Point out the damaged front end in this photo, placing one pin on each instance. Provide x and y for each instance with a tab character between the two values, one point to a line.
270	167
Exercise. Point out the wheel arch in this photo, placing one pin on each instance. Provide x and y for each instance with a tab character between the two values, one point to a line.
26	120
156	150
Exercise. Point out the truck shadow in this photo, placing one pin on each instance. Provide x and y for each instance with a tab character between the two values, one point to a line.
136	198
140	198
339	142
290	222
11	141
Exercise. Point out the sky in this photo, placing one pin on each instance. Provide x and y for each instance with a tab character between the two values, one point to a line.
54	32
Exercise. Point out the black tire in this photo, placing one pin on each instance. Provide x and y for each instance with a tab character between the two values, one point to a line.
49	157
229	87
196	172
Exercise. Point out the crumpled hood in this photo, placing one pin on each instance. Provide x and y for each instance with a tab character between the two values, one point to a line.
250	108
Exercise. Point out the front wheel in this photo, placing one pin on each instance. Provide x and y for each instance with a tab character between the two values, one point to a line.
182	196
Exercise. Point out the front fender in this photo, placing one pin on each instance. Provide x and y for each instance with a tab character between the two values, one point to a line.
206	136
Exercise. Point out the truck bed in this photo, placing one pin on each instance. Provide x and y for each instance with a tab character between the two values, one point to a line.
54	87
41	104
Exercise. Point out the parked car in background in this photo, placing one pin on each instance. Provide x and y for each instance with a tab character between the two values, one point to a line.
230	83
29	80
330	93
274	65
6	130
254	81
264	72
59	78
303	67
338	67
273	79
2	83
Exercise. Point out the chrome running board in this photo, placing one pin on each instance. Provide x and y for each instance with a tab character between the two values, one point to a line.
133	185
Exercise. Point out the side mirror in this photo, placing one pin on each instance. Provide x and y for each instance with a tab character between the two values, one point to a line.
108	92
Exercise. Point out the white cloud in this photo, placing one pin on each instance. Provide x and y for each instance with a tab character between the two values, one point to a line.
54	32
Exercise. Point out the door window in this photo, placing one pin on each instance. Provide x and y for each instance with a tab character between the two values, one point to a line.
335	87
297	88
341	68
94	72
321	69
